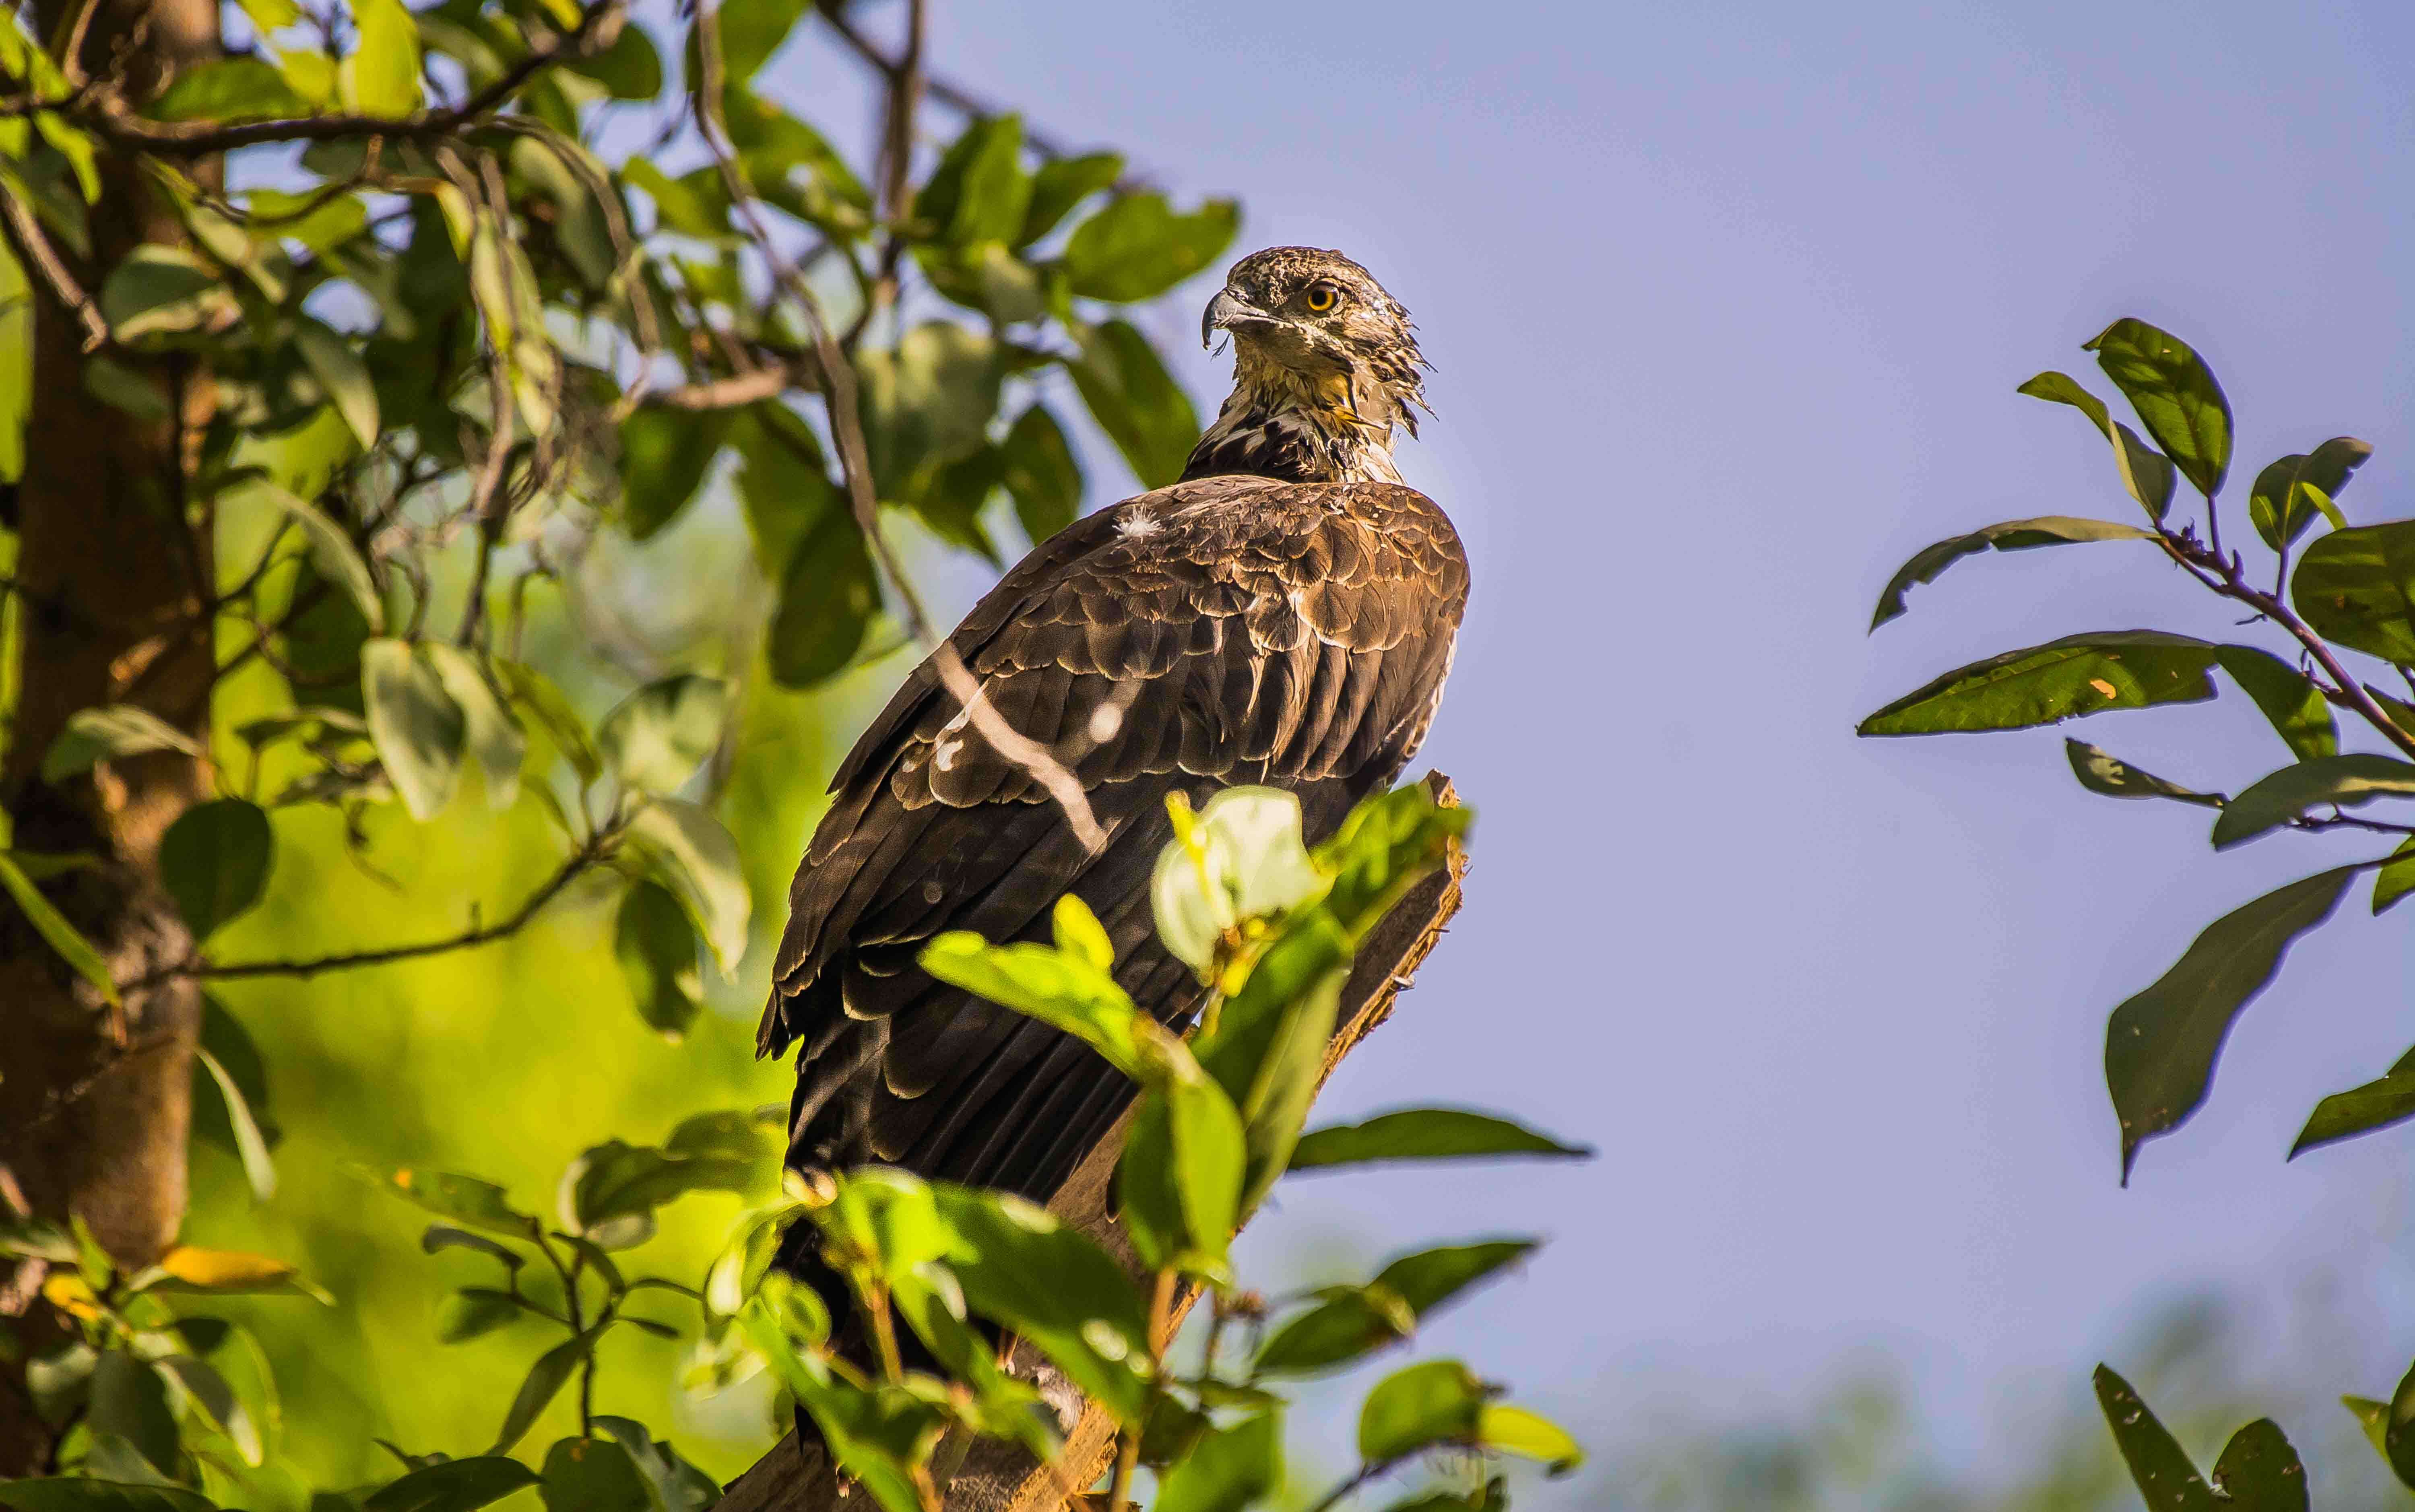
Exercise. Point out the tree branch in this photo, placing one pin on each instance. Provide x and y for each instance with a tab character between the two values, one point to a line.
25	234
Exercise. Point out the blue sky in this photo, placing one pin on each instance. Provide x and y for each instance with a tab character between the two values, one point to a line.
1728	302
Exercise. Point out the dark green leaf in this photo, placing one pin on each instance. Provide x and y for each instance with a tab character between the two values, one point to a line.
688	851
2346	781
473	1310
250	1147
2398	1437
751	32
227	90
1226	1469
443	1236
658	736
1418	1407
2077	675
2161	1045
1428	1279
130	1400
453	1486
1061	184
594	1476
2361	1110
664	456
161	292
465	1199
827	596
535	694
2259	1471
2289	494
783	485
614	1180
107	733
2175	395
1423	1135
1137	248
2157	1463
1351	1322
2299	713
545	1381
2354	587
224	1036
1023	1268
2012	535
213	862
573	182
1384	846
2101	772
82	1495
2397	879
1134	400
656	948
1041	474
418	728
925	404
630	69
681	1487
2147	473
62	936
1287	1078
1493	1497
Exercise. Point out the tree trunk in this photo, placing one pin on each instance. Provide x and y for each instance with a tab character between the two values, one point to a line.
113	588
1000	1477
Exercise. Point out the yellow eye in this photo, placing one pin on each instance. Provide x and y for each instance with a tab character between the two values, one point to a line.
1322	297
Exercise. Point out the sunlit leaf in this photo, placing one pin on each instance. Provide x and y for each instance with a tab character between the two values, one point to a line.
1227	1469
693	854
2084	674
109	732
382	76
257	1168
331	550
2301	715
1424	1134
2361	1110
2175	395
465	1199
453	1486
658	736
1137	246
2354	587
2342	781
419	729
1438	1401
2294	492
340	371
1134	400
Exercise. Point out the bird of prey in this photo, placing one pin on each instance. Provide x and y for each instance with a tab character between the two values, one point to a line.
1283	614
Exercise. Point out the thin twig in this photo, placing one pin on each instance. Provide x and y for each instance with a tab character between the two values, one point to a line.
730	392
34	247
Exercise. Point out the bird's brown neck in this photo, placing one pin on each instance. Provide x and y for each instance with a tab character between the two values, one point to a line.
1280	427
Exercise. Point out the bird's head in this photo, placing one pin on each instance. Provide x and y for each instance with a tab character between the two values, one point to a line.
1325	363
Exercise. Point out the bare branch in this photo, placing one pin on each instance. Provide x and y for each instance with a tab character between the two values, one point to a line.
25	233
731	393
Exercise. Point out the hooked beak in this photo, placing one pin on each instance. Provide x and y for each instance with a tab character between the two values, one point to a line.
1229	311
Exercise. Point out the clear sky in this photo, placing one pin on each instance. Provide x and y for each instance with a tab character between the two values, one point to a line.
1728	302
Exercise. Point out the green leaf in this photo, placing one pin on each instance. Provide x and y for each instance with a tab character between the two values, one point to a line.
659	735
2361	1110
474	1311
694	204
2374	1417
1384	846
2147	473
926	403
2175	395
680	1486
213	862
1064	990
107	733
214	1115
1352	1321
332	551
1227	1469
1286	1082
464	1200
492	736
1137	248
2157	1463
227	90
2064	679
2354	587
2012	535
453	1486
751	32
2397	879
569	176
1516	1430
994	190
17	365
250	1147
784	484
693	854
1134	400
2289	494
2344	781
1041	474
444	1236
827	596
382	77
545	1378
2100	771
418	728
54	927
1020	1266
656	948
544	702
1438	1401
1493	1496
87	1495
2161	1045
629	69
340	371
1424	1134
161	292
1209	1162
1062	183
594	1476
130	1400
2398	1436
614	1180
2290	699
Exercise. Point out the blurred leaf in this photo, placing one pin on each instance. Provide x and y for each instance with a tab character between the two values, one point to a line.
1020	1266
1137	248
332	552
827	596
1493	1497
658	736
2289	494
679	1486
443	1236
418	728
1285	1083
340	371
630	70
1210	1160
1227	1469
926	403
751	32
544	1382
160	290
2084	674
108	733
2157	1463
2160	1045
1064	990
121	387
52	926
17	364
2259	1471
224	1036
2353	588
617	1180
1062	183
2361	1110
2374	1417
465	1199
205	1389
491	733
1423	1135
1079	935
2012	535
82	1495
1422	1405
571	179
2101	772
535	692
258	1169
1134	400
1516	1430
453	1486
694	204
783	485
656	948
2344	780
213	862
129	1400
694	856
2398	1436
186	1268
226	90
382	77
1351	1322
473	1311
1384	846
2397	879
978	190
2146	473
594	1476
2290	699
1040	471
2175	395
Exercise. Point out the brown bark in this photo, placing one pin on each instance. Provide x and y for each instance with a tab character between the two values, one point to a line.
999	1477
114	577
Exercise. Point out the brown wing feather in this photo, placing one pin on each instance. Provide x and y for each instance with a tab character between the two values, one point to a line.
1226	630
